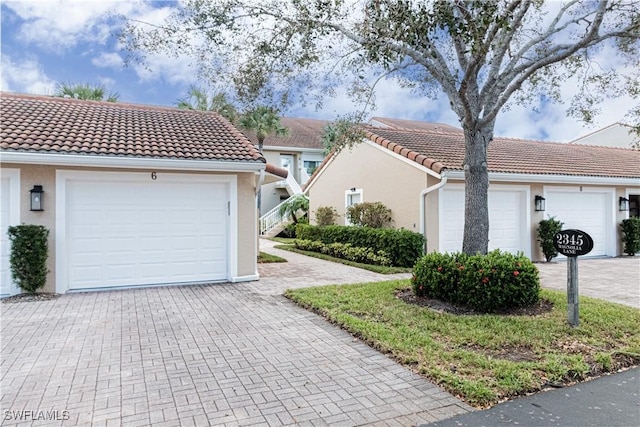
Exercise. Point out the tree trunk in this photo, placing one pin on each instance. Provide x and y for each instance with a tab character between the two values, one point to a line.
476	206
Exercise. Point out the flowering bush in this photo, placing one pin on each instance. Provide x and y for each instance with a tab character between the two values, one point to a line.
494	282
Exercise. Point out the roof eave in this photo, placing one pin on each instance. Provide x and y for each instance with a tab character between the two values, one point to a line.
552	178
124	162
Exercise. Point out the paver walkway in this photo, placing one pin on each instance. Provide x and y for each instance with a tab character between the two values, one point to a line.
227	354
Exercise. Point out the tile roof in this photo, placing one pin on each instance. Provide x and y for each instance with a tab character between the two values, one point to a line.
445	150
67	126
303	133
412	124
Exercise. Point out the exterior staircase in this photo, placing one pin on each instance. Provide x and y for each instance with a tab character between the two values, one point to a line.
272	222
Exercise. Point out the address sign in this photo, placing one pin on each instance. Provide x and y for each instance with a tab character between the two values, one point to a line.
572	242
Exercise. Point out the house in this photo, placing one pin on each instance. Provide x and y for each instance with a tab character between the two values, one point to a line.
133	195
300	153
614	135
417	173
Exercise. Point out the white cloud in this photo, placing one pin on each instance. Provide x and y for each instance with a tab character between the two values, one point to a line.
56	26
108	60
26	76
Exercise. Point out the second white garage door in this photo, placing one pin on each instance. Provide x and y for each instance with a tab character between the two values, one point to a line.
589	211
129	230
507	219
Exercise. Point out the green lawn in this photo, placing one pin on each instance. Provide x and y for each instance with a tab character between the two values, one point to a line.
283	240
375	268
483	358
265	257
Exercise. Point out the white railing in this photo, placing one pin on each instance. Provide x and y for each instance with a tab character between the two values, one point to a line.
273	218
304	176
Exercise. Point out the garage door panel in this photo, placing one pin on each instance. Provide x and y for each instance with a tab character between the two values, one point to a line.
586	211
151	233
505	220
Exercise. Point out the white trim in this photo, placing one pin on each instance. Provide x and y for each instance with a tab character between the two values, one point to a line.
248	278
525	236
404	159
550	179
611	231
293	150
63	176
14	211
348	193
130	162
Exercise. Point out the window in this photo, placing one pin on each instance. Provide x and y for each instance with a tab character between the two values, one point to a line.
351	197
311	166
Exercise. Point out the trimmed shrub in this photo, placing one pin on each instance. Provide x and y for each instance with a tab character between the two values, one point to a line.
29	253
367	214
345	251
403	247
326	215
631	235
547	228
488	283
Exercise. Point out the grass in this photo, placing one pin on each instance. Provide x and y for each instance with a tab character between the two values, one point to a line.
265	258
283	240
483	359
375	268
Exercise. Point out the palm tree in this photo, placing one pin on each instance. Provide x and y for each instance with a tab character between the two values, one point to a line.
264	121
295	205
84	91
198	99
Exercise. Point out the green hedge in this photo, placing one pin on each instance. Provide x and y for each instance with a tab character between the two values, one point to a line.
631	235
403	247
345	251
488	283
29	253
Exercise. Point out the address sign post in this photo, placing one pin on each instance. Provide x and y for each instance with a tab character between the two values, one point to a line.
572	243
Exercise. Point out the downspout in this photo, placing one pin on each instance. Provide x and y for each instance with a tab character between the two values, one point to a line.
423	193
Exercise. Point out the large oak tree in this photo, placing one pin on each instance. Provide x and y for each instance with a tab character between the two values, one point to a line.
480	54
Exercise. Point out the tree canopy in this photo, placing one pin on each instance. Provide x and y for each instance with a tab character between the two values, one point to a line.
481	55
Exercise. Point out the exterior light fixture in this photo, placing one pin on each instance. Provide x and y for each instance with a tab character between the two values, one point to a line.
353	189
623	204
540	203
37	193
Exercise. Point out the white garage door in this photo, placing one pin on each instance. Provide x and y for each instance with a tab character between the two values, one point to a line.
9	215
141	232
586	211
507	220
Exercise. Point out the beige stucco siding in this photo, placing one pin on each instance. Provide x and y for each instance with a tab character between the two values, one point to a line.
382	177
30	175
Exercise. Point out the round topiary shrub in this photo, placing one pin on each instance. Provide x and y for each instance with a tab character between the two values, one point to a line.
29	253
495	282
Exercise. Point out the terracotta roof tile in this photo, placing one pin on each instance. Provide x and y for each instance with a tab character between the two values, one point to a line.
303	133
58	125
439	150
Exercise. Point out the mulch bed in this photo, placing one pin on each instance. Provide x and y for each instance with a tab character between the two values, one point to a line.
407	295
28	298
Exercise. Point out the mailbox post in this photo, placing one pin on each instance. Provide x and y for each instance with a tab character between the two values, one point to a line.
572	243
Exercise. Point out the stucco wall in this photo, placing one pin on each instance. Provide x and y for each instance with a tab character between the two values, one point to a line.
383	179
31	175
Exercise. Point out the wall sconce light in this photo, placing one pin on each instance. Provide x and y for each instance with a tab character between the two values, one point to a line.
623	204
353	189
37	193
540	203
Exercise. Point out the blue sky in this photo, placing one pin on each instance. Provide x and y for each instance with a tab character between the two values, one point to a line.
47	42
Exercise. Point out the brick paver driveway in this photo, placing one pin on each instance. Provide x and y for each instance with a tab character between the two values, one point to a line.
232	354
